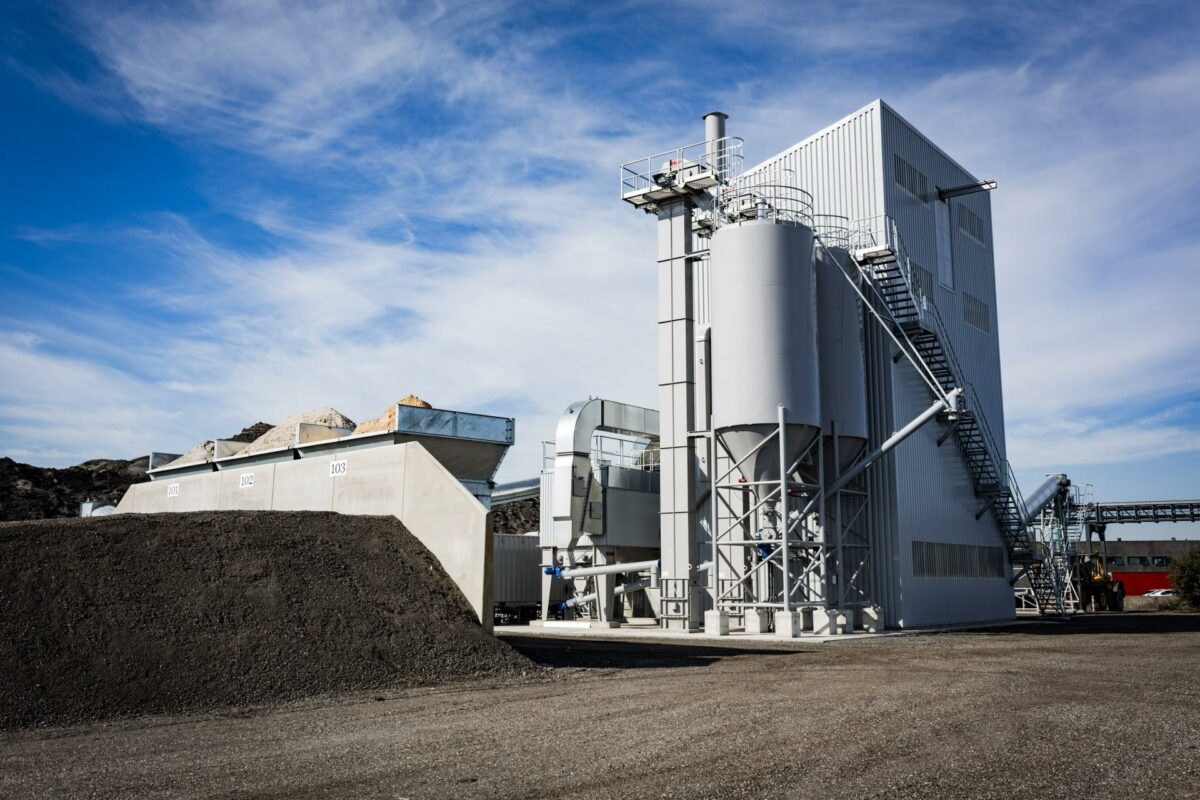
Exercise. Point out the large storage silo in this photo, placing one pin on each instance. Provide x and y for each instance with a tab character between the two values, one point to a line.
843	372
764	341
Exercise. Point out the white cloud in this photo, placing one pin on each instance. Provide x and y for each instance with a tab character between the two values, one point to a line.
55	408
1051	443
548	296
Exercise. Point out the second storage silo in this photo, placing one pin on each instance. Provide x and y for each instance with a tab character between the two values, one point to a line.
764	340
843	373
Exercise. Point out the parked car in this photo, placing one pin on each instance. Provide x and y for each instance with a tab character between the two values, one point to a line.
1160	593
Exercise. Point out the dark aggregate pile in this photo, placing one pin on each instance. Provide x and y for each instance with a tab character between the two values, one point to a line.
29	492
251	432
134	614
521	516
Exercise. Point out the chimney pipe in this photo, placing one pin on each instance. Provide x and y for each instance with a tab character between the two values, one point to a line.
714	129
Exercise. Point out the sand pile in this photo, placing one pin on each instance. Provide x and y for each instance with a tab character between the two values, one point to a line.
387	420
284	434
135	614
204	450
201	452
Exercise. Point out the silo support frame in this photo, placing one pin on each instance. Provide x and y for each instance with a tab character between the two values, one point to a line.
785	572
846	505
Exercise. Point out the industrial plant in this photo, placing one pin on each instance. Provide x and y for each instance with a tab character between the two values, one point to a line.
676	601
508	401
828	455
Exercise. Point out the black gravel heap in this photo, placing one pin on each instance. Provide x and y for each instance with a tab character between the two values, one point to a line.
521	516
29	492
161	613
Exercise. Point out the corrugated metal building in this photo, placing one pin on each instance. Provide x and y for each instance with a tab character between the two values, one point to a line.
933	561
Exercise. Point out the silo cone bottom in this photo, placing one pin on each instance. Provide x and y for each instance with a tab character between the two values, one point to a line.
716	623
788	624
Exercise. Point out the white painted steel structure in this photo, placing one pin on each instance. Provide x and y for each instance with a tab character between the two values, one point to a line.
931	523
874	165
599	498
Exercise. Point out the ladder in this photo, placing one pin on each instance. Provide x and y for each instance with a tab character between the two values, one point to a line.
917	327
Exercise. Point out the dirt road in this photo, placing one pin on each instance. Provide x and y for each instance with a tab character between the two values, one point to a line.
1101	707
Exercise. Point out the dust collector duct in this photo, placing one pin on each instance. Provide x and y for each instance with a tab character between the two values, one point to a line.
764	340
843	373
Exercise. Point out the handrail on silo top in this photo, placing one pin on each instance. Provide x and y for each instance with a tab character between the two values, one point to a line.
772	194
833	229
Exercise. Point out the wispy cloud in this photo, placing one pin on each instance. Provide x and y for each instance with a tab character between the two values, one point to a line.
1054	443
436	191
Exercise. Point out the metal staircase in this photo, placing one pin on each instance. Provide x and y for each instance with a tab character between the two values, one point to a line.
917	327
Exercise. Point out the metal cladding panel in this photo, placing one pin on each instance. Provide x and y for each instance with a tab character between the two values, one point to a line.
935	498
516	577
974	270
839	335
630	518
1138	583
454	424
764	335
881	478
839	166
936	502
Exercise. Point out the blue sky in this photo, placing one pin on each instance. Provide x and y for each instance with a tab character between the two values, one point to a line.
225	212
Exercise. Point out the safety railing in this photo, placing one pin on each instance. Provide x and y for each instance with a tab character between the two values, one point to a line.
881	231
880	308
1014	489
766	194
620	451
833	229
721	157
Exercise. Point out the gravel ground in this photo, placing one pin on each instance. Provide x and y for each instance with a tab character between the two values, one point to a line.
1102	707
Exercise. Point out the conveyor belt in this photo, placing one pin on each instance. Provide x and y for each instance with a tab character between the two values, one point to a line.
1148	511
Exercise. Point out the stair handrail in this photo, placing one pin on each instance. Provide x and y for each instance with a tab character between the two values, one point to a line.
1015	490
1016	535
862	238
974	404
930	312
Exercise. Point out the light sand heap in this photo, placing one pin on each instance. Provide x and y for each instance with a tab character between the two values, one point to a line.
387	420
201	452
284	434
204	451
